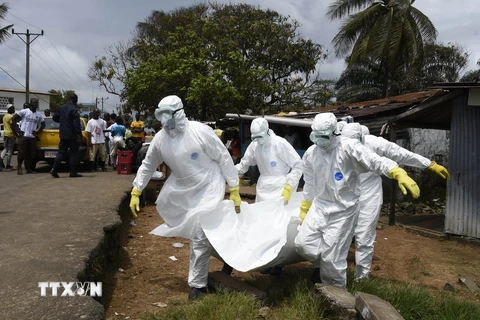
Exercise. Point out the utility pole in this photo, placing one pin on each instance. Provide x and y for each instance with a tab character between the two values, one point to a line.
27	41
101	99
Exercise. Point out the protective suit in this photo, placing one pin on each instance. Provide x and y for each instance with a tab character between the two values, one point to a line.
200	164
331	169
340	125
371	192
279	164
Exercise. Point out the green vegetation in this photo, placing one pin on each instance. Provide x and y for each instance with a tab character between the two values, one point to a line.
5	30
294	297
416	302
218	58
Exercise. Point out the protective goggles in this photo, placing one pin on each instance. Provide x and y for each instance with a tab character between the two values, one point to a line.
321	136
165	112
259	135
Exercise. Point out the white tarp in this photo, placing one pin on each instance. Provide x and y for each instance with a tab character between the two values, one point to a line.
260	236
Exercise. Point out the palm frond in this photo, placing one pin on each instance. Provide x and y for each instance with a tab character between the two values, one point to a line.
340	8
427	28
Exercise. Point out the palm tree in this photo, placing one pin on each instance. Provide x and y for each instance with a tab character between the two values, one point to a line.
391	31
4	33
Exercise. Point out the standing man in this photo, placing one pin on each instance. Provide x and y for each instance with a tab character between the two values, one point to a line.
331	170
138	136
9	136
30	120
200	166
70	135
117	138
96	129
137	127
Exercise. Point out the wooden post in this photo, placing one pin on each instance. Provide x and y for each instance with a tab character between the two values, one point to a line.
393	182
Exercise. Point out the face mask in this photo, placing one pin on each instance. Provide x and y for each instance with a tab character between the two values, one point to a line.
167	117
321	138
261	137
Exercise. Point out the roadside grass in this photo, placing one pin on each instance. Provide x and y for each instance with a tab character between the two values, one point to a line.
292	296
416	302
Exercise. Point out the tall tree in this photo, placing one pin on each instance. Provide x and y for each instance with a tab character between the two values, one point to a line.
220	58
393	32
364	81
4	31
58	98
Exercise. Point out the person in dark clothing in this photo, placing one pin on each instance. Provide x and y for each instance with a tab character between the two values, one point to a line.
70	135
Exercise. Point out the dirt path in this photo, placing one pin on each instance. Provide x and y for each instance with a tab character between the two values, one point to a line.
149	276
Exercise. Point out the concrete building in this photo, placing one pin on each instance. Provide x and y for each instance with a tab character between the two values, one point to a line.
17	97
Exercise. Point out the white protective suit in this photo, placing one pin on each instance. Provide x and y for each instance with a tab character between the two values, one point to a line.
200	165
278	162
331	175
371	193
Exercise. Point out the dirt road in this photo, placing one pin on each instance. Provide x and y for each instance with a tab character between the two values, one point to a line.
150	276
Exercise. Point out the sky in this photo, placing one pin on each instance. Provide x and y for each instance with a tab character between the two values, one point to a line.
75	32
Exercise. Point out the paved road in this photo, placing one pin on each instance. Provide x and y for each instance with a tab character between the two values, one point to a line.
48	229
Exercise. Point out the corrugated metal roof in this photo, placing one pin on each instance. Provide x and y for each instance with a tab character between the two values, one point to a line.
365	108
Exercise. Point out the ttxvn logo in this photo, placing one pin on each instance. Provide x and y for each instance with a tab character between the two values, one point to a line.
70	289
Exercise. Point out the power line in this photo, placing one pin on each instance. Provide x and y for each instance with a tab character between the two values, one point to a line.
15	23
9	12
24	86
12	77
76	84
13	48
66	62
49	73
38	56
42	66
86	85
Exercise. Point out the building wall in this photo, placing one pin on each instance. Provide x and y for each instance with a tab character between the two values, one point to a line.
19	99
434	145
463	203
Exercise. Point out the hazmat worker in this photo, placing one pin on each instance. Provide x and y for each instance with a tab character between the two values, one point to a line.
200	164
371	192
331	169
340	125
279	164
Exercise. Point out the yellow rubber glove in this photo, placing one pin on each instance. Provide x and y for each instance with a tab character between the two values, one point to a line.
287	192
440	170
235	196
405	182
304	207
135	202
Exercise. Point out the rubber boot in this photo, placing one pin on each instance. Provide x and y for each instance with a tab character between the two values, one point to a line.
102	166
197	293
275	271
316	276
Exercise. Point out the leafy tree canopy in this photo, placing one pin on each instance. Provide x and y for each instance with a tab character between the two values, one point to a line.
218	58
365	81
58	98
392	32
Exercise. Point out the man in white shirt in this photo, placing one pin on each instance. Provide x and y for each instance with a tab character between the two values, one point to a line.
29	119
96	129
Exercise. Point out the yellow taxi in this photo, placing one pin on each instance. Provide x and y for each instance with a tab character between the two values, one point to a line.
49	139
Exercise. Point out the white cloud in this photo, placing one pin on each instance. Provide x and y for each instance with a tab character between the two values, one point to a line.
80	30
